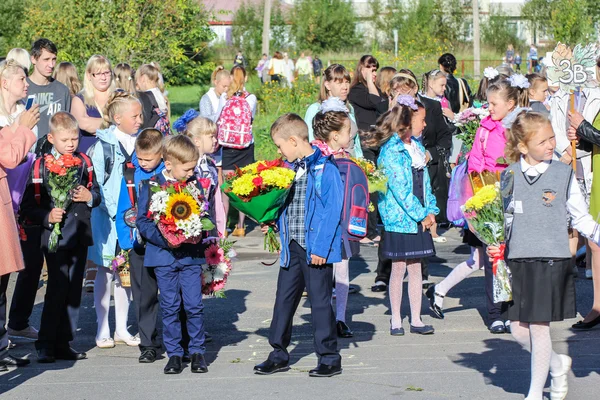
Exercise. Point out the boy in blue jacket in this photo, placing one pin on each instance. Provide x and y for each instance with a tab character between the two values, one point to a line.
145	162
311	240
177	269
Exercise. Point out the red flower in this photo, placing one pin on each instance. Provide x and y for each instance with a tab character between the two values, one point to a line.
258	181
205	183
269	164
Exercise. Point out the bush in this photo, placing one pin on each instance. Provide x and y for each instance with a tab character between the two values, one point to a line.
189	73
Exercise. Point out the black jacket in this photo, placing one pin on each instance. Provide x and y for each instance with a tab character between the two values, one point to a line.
589	136
437	136
76	227
453	93
367	107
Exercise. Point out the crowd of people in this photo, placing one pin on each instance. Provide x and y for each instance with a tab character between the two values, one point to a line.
115	124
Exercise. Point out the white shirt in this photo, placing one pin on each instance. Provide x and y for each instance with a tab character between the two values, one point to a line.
417	156
6	121
160	99
576	206
127	141
251	99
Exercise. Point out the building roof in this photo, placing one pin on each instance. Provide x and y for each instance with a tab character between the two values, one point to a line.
222	11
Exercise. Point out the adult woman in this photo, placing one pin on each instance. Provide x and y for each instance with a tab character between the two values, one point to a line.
66	73
13	88
335	83
457	92
87	105
277	66
369	103
209	103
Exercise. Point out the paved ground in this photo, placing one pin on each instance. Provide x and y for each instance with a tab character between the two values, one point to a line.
461	361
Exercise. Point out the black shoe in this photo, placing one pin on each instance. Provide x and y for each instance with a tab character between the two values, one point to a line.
199	364
431	294
343	330
207	337
422	330
173	366
186	357
68	353
583	326
325	371
498	328
379	287
45	356
3	368
269	367
148	356
14	361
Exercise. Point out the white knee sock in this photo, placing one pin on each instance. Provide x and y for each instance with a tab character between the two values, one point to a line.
415	292
102	285
122	302
458	274
342	283
395	291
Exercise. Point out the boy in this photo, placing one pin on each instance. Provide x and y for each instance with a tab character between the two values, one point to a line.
311	242
65	266
177	270
145	162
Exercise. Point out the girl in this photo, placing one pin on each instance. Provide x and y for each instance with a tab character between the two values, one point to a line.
407	209
487	154
149	79
237	158
541	195
490	75
209	103
331	126
66	73
122	121
434	87
124	78
458	91
383	80
538	93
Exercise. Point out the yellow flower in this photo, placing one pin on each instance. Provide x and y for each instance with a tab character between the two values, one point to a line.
243	185
181	206
252	168
278	177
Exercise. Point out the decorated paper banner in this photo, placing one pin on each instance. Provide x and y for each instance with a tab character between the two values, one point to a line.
573	69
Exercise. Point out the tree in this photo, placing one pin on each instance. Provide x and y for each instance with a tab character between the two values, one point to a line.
570	22
247	29
12	12
498	33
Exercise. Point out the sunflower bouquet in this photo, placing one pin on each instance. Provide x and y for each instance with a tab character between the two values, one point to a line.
259	190
485	214
218	256
376	178
180	211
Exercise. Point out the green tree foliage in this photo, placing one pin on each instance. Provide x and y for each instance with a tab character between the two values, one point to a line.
320	25
12	14
498	32
248	26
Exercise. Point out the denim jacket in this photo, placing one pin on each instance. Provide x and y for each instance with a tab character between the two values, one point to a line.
323	204
400	209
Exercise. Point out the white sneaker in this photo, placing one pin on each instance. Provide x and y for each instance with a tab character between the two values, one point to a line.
29	333
588	274
105	343
132	341
559	383
440	239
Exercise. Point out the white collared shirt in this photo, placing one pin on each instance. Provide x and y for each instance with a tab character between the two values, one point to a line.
417	156
168	178
127	141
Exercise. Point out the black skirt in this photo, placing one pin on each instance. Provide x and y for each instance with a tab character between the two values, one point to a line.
239	158
470	239
543	291
354	250
406	246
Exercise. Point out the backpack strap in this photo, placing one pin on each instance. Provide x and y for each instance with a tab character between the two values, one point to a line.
90	169
128	175
37	180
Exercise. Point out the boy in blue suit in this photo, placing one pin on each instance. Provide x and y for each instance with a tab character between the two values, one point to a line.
311	241
145	163
177	270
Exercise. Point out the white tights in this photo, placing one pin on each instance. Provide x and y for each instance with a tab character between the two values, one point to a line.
342	284
459	273
415	291
102	286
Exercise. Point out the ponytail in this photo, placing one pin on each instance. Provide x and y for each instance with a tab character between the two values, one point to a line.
116	103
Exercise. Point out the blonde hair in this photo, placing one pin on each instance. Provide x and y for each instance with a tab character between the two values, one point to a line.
63	121
238	80
219	73
152	72
520	96
180	148
66	73
8	69
384	78
397	120
404	78
21	56
527	124
431	76
124	78
115	105
150	140
200	126
535	79
95	63
289	125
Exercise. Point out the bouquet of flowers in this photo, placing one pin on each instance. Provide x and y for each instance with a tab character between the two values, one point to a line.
376	177
485	215
468	121
181	212
63	177
259	190
218	266
120	265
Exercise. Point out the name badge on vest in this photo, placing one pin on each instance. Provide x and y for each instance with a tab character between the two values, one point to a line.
130	217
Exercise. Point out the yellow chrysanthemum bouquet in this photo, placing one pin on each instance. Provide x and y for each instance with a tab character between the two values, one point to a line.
259	190
376	178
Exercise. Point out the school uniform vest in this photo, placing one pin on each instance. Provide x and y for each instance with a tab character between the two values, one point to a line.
539	227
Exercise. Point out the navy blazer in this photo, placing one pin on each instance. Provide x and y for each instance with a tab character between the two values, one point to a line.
76	227
158	251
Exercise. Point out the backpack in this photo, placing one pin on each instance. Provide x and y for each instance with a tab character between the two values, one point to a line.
108	150
356	201
458	194
38	173
162	123
235	122
130	216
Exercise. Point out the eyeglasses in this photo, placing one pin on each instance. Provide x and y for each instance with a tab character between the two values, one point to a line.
104	74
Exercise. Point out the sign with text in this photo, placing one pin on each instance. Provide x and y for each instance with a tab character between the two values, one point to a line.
574	69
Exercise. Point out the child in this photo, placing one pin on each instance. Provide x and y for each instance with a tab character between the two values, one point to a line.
331	127
145	162
310	243
65	266
538	93
408	208
66	73
122	118
518	61
149	79
434	87
541	195
178	270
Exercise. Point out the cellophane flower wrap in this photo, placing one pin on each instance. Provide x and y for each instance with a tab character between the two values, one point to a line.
485	215
180	211
62	178
376	178
120	262
219	255
468	122
259	190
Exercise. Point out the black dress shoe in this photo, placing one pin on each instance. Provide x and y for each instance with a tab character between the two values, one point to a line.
186	357
148	356
14	361
379	287
199	364
269	367
422	330
45	356
67	353
343	330
498	328
431	294
583	326
3	368
325	371
173	366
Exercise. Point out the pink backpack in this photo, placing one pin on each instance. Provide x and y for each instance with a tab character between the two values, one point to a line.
235	123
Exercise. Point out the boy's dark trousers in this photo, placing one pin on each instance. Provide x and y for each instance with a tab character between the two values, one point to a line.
291	282
494	309
28	280
3	300
175	282
144	290
63	297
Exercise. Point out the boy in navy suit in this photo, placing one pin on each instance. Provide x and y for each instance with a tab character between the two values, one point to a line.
178	270
311	241
66	266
